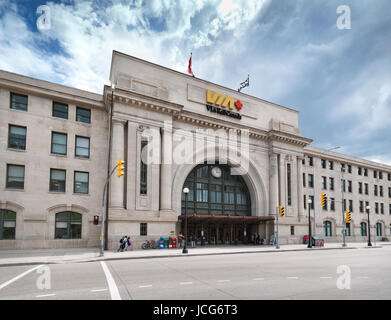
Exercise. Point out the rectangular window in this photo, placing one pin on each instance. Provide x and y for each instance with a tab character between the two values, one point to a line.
361	206
289	184
380	191
374	173
324	183
376	207
375	190
60	110
303	179
81	182
83	115
310	161
389	208
331	182
331	165
59	143
360	187
292	230
382	208
389	192
365	172
389	176
366	188
380	175
366	205
343	185
18	102
344	205
57	180
305	202
143	229
143	167
349	168
359	171
310	180
323	162
15	176
17	137
350	186
332	204
342	167
351	205
82	147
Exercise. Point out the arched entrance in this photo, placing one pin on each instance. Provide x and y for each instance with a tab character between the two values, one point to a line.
218	206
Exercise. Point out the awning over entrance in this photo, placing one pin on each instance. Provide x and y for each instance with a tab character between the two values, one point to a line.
211	218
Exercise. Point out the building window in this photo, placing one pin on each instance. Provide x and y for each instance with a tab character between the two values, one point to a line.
344	205
360	187
342	167
389	192
365	172
83	115
17	137
349	168
68	225
361	206
18	102
305	202
359	171
310	180
363	229
389	208
143	167
374	173
324	183
366	189
60	110
59	143
323	162
389	176
375	190
381	191
143	229
15	176
312	201
289	181
332	204
382	208
376	207
343	185
351	205
347	230
292	230
81	182
7	224
331	183
379	231
303	179
310	161
327	228
331	165
57	180
350	189
380	175
82	147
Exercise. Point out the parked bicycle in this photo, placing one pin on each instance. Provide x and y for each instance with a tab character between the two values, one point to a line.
150	244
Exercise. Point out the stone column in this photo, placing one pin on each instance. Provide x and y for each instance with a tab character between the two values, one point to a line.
132	165
166	168
118	146
294	190
273	181
300	189
283	200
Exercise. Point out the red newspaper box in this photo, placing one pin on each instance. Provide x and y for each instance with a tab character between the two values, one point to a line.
174	243
305	239
169	242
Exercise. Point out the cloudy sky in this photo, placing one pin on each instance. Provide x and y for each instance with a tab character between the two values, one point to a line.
296	53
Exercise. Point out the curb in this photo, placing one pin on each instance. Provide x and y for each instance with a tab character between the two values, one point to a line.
98	259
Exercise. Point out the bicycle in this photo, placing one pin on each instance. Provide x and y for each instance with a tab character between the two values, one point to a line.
149	244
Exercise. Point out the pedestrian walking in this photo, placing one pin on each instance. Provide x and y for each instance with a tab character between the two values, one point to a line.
258	238
180	239
193	239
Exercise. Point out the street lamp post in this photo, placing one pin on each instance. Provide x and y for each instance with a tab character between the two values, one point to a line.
343	184
185	191
369	227
309	224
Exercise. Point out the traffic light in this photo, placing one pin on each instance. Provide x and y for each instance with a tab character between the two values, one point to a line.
323	199
96	219
348	216
120	168
282	213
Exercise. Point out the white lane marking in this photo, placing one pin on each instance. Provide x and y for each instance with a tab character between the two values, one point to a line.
146	286
185	283
258	279
99	290
224	280
325	277
362	277
45	295
110	281
19	276
294	278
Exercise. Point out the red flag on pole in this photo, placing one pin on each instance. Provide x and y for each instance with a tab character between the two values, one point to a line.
189	68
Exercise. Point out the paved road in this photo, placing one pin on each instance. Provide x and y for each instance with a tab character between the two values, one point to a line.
285	275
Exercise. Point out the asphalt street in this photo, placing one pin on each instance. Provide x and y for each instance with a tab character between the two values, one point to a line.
363	273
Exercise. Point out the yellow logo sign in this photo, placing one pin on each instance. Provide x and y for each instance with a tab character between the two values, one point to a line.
220	99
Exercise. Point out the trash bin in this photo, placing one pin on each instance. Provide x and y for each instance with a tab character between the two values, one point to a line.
165	243
174	243
305	239
317	242
161	243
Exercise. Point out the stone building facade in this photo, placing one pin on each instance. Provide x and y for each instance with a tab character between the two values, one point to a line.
240	157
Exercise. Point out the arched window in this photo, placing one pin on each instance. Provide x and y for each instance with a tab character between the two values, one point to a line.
378	229
327	228
363	228
7	224
68	225
213	190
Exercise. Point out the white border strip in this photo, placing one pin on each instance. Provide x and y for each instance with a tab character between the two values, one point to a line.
19	276
110	281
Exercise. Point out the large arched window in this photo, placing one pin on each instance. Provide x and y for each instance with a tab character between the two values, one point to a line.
68	225
327	228
213	190
363	228
379	232
7	224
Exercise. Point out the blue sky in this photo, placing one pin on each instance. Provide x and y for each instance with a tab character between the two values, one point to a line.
339	80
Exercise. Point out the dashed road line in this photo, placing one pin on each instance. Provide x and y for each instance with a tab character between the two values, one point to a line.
293	278
98	290
185	283
114	293
325	277
19	276
223	280
45	295
146	286
258	279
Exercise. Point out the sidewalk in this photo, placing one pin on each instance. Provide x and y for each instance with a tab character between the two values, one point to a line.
55	256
